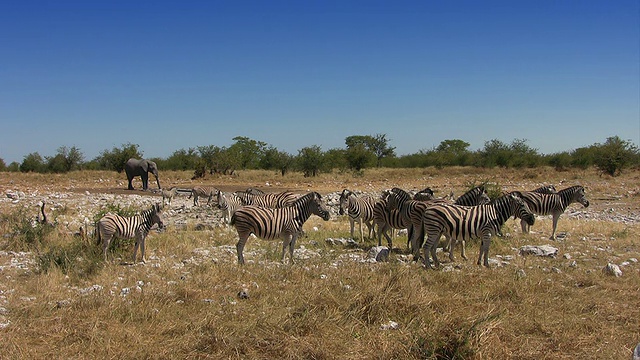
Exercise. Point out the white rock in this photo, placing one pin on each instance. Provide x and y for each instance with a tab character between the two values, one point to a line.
612	269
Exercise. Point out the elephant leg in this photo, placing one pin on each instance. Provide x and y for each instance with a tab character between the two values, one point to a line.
145	181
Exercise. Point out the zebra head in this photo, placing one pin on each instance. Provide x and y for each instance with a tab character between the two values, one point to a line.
318	207
220	199
579	196
344	201
520	209
424	195
396	197
156	216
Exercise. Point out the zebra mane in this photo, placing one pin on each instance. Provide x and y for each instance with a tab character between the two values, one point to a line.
571	189
400	193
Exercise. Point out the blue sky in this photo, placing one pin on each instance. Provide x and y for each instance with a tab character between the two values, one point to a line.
171	75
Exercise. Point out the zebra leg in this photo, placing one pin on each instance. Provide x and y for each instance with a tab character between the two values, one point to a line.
556	217
361	233
372	232
483	258
292	245
452	244
240	246
286	242
105	245
525	227
352	223
463	252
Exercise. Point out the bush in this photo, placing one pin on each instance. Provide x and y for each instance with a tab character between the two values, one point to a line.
615	155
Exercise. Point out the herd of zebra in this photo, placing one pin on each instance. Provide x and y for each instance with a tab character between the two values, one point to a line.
426	218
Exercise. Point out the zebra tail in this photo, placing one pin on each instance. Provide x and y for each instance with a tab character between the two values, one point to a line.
99	237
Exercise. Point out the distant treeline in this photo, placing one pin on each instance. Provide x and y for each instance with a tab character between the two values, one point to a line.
360	152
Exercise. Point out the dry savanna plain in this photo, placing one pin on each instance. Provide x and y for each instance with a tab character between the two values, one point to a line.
191	300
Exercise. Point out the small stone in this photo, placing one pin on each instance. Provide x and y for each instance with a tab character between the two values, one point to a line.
243	294
612	269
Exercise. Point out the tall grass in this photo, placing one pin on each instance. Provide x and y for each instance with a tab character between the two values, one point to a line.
184	302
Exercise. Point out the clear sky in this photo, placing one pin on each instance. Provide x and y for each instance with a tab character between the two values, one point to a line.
171	75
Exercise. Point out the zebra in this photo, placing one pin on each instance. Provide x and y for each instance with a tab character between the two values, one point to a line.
167	195
271	200
269	224
386	218
358	209
425	194
414	211
228	203
136	226
466	222
552	204
474	197
202	191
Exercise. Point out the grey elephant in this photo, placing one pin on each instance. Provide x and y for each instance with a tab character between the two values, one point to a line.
142	168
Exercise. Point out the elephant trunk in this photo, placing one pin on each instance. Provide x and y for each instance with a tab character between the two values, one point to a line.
158	182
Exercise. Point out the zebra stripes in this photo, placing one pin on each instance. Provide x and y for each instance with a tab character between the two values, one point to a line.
464	222
137	227
386	219
552	204
228	203
167	195
269	223
202	191
270	200
358	209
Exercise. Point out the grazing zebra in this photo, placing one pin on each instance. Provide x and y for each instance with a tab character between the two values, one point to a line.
202	191
386	219
270	200
466	222
269	224
552	204
424	195
167	195
228	203
358	209
137	227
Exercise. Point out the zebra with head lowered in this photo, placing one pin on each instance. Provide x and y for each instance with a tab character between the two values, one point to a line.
204	192
552	204
467	222
270	200
137	227
270	224
167	195
228	203
358	209
387	218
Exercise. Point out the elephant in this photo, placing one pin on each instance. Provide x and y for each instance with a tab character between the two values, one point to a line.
142	168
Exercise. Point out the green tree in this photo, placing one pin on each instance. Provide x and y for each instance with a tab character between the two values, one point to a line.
335	159
359	157
65	160
32	163
615	155
181	160
310	160
116	158
495	153
523	155
378	145
247	151
273	159
3	165
13	167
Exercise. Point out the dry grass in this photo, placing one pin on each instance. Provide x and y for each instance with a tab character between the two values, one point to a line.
183	303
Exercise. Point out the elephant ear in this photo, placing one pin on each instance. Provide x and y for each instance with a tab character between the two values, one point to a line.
144	164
